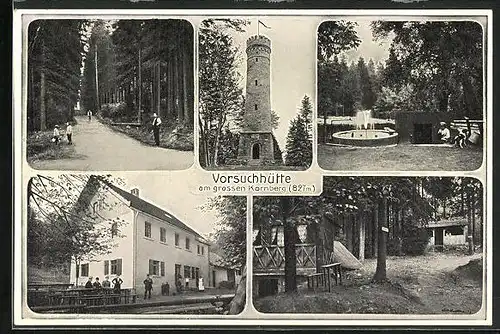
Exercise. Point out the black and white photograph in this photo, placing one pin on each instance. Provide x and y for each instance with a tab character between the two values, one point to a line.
401	95
256	91
372	245
105	244
110	94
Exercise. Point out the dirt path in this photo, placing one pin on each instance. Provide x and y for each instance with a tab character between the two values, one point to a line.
428	284
429	279
100	148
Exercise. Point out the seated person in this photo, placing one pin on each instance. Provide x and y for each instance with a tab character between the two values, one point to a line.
443	133
460	138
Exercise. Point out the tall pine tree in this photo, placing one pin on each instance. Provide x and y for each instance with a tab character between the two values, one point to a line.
299	138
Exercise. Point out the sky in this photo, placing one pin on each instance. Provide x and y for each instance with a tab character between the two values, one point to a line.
293	64
377	50
176	195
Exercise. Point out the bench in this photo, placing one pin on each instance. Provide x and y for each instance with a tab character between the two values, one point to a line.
315	278
336	269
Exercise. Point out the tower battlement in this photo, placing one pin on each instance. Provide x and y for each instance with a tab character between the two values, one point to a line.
259	41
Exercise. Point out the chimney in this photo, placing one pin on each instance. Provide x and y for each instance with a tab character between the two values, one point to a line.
135	192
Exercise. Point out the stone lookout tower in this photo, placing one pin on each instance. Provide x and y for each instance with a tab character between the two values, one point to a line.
256	138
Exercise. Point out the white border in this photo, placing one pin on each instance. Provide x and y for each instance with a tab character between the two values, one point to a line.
249	317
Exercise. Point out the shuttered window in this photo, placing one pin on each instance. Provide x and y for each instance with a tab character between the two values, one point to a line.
106	267
116	267
163	234
156	268
147	230
85	269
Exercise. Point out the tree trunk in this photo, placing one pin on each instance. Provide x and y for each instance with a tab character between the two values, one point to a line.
139	74
361	226
375	230
237	305
186	96
480	209
469	224
158	88
98	105
381	272
399	236
348	234
43	112
290	256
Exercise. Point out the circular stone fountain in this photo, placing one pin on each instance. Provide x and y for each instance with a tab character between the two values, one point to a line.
365	133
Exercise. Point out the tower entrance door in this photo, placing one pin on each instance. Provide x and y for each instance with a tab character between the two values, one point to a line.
256	151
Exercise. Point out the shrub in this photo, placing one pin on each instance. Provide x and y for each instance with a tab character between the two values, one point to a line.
226	285
415	240
115	111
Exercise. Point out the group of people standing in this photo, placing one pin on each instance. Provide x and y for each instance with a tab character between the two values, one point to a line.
117	283
56	135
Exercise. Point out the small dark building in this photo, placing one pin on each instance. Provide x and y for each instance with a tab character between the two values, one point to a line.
420	127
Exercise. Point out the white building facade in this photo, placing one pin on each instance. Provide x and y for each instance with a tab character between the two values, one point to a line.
151	241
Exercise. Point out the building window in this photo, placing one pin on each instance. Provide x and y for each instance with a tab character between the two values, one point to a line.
256	59
85	269
177	272
256	107
163	234
114	230
106	267
198	249
187	272
147	230
116	267
188	243
202	250
156	268
255	82
177	239
193	272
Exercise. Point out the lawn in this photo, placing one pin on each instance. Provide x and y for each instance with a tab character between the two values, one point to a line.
436	283
40	147
402	157
170	137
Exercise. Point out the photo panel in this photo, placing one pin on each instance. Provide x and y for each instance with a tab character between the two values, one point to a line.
256	93
109	94
119	244
402	93
372	246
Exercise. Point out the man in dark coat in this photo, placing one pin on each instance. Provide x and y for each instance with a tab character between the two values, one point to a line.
156	129
89	284
148	286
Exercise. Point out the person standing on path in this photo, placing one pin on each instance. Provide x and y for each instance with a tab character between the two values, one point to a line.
56	135
117	284
89	114
156	129
69	132
148	286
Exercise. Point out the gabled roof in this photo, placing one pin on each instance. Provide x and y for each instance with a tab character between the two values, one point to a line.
448	222
218	261
151	209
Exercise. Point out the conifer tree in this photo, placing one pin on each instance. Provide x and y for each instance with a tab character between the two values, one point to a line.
299	138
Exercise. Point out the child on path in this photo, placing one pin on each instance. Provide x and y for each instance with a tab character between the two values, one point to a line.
69	133
56	135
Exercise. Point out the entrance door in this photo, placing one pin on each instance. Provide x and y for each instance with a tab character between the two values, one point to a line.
438	237
422	133
256	151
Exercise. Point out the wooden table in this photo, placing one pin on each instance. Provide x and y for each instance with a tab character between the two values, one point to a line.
336	271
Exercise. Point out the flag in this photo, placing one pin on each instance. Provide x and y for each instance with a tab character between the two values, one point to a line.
260	22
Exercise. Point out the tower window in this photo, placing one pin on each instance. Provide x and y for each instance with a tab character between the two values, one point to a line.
255	82
256	107
256	59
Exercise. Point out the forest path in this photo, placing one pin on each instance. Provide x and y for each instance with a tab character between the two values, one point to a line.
99	148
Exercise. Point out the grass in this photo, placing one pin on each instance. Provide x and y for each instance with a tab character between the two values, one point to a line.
181	140
41	147
436	283
400	157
